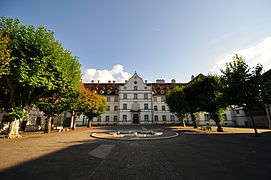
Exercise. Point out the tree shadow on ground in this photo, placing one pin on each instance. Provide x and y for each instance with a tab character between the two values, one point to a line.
69	163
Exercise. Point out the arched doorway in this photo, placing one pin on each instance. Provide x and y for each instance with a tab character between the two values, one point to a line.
135	118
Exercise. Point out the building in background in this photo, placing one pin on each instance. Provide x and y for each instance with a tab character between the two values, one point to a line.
134	102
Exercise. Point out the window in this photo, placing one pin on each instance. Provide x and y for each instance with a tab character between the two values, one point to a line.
108	108
163	99
155	118
39	121
107	118
99	118
155	108
146	106
124	117
124	96
135	96
108	99
125	106
135	88
116	99
206	117
115	118
146	117
125	87
163	108
171	117
135	82
146	96
237	112
164	117
225	117
155	99
115	108
145	87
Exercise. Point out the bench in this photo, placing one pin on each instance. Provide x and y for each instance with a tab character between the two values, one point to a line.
206	128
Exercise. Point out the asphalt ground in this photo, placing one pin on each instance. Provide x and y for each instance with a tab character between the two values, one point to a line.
193	155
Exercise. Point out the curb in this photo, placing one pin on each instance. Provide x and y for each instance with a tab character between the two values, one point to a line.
142	139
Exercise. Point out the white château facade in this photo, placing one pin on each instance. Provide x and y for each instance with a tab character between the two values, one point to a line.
134	102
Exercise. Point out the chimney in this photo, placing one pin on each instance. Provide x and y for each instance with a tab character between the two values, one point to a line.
109	81
173	81
126	81
98	81
192	77
92	81
114	81
161	81
146	81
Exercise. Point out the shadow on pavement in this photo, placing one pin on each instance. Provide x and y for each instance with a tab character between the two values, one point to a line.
69	163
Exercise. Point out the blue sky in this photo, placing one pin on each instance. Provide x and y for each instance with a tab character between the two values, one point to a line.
157	38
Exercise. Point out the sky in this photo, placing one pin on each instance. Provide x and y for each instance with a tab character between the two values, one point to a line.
159	39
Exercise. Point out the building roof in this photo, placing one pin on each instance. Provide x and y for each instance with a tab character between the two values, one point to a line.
113	88
158	88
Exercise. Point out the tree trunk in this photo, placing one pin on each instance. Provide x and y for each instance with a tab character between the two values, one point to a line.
48	125
89	122
253	122
74	122
183	121
219	128
71	122
193	120
13	130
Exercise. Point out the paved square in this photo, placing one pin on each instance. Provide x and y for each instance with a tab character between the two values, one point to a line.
190	156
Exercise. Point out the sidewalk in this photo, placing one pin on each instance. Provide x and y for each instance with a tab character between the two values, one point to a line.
227	130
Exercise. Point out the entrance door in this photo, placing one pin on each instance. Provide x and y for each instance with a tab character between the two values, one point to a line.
135	118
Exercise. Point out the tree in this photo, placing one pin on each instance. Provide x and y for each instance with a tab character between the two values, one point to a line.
74	104
93	105
243	85
266	82
211	98
51	107
41	68
5	51
192	99
177	102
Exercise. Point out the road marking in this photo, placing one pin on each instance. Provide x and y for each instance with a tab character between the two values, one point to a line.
102	151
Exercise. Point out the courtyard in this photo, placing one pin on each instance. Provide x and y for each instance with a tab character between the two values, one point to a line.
193	154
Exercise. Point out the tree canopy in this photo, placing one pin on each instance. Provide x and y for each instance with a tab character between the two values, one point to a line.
177	102
243	85
41	68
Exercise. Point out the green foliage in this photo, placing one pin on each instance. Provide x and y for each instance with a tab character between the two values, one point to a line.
51	106
5	51
177	102
18	113
242	84
41	68
93	105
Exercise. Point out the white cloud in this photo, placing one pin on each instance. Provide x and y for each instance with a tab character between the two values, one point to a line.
258	53
116	73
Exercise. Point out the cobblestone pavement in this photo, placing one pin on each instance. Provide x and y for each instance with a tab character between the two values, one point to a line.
190	156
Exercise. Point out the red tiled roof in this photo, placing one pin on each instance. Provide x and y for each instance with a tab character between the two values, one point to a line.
199	76
113	88
163	88
104	88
